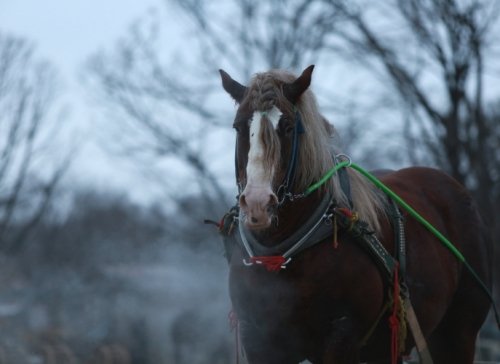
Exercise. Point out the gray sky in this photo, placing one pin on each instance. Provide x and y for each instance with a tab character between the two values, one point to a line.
66	33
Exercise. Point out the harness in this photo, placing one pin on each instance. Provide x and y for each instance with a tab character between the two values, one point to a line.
327	217
317	228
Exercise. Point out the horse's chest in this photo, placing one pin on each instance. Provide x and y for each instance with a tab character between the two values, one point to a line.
315	289
259	294
281	297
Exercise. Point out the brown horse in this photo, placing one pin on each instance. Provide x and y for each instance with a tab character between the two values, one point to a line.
325	306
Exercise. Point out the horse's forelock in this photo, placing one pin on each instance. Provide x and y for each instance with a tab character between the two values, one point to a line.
266	91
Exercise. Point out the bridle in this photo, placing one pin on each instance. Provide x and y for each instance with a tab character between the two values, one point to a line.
283	192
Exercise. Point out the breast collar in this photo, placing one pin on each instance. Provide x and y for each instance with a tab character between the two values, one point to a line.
317	228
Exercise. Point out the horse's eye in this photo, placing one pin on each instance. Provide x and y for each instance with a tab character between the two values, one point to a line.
288	129
237	128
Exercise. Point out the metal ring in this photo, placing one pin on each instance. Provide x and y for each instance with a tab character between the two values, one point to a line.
282	189
283	266
248	264
343	156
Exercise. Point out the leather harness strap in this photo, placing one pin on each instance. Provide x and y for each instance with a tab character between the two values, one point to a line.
411	317
316	229
418	336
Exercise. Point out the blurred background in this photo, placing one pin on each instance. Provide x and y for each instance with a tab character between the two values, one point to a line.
116	143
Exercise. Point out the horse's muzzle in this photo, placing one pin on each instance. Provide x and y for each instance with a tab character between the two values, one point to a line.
258	205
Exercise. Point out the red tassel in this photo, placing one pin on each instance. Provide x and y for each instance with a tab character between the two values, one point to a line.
272	263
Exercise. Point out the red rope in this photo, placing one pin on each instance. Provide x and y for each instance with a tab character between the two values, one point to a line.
348	213
272	263
393	319
351	215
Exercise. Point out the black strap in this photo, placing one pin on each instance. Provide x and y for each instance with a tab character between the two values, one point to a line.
298	129
399	237
345	185
236	167
323	231
368	241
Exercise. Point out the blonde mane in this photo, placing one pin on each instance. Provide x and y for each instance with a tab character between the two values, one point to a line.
317	149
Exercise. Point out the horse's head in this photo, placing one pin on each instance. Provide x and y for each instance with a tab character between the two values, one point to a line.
267	124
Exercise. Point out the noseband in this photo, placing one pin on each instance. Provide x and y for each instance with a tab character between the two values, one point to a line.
283	191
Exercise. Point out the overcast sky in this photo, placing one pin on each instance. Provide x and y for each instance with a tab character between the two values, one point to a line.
66	33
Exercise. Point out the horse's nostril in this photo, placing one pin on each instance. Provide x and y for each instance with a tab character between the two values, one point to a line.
254	220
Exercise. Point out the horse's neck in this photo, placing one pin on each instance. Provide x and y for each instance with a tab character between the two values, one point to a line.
291	216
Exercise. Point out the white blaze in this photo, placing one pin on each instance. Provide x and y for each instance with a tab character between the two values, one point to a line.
258	193
256	175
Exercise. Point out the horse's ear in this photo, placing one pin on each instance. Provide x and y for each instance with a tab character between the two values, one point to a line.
293	90
232	87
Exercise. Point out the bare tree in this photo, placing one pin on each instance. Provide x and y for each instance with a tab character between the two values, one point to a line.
436	57
166	103
27	96
433	53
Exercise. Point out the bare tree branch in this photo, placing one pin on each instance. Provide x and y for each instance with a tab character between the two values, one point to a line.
26	99
448	121
140	84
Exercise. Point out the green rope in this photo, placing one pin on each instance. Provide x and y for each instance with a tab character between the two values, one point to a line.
432	229
326	177
414	214
410	210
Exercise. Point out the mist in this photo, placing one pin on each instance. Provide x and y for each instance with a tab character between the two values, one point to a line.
113	282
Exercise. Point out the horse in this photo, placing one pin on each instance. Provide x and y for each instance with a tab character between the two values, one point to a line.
324	301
